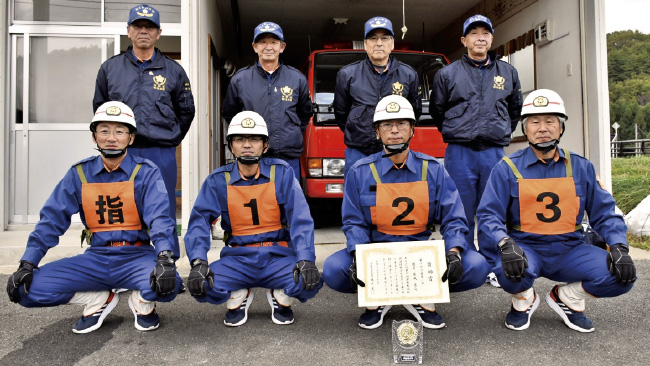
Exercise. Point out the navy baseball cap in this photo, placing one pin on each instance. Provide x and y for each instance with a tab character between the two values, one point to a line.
472	21
270	28
144	12
377	23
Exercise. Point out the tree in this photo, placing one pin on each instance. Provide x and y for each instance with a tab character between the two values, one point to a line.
628	66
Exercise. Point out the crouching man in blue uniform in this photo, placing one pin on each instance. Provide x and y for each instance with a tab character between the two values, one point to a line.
269	230
372	213
530	223
123	203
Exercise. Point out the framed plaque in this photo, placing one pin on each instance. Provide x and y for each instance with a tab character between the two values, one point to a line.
402	273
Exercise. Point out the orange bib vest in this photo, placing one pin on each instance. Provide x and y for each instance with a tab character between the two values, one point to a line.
401	208
253	209
109	206
547	206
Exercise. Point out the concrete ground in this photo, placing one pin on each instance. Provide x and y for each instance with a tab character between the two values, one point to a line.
325	331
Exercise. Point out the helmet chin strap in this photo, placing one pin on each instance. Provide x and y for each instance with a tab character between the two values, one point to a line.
395	149
249	160
111	154
545	147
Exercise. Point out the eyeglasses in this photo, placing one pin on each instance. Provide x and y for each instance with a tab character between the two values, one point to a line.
374	39
401	125
117	133
251	139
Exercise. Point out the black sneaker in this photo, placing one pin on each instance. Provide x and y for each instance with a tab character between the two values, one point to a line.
576	320
147	322
373	318
520	320
239	315
282	315
430	319
87	324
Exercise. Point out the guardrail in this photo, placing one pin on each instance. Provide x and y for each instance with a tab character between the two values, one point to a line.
627	148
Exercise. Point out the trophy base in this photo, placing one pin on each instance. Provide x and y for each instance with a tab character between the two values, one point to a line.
408	345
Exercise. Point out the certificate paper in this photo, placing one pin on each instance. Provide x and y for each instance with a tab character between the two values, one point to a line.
402	273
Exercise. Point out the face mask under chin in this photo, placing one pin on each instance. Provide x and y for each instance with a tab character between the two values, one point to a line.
249	160
545	147
111	154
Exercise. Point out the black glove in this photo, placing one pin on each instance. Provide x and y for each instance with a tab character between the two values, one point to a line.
354	280
309	273
199	275
513	260
23	276
620	264
454	272
163	277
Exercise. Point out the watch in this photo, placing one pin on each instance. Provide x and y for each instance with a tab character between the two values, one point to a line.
198	261
167	254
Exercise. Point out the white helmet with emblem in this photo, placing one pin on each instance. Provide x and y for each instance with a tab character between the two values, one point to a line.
247	123
114	112
393	107
543	101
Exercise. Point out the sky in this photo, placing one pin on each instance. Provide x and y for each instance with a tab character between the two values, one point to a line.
627	14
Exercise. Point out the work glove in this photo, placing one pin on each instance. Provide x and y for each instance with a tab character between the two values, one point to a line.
354	280
199	275
163	277
23	276
513	260
454	272
620	264
309	273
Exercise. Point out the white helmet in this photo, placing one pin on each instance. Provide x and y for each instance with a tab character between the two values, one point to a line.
543	101
114	112
393	107
247	123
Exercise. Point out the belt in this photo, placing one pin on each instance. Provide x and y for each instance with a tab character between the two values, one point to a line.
138	243
263	244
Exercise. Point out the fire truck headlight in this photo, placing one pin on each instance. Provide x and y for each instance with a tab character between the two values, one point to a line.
333	167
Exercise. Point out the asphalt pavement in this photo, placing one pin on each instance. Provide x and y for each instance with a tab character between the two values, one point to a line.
325	332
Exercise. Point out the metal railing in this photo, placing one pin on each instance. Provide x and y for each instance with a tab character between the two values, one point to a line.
627	148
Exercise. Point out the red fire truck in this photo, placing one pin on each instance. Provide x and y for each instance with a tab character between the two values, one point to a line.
323	160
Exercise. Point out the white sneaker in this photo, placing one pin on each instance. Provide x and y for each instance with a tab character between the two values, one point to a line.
492	280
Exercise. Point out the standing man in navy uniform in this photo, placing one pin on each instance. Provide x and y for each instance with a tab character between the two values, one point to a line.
122	201
269	230
530	219
377	190
475	104
360	86
157	89
279	93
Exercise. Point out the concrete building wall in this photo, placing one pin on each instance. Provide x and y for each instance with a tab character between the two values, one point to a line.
4	59
201	27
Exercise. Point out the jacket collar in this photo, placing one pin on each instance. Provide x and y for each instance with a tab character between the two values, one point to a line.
264	170
97	165
392	64
157	57
530	158
261	70
385	164
491	55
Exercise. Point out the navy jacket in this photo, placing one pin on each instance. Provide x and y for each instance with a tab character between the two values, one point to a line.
160	96
476	106
359	87
281	97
